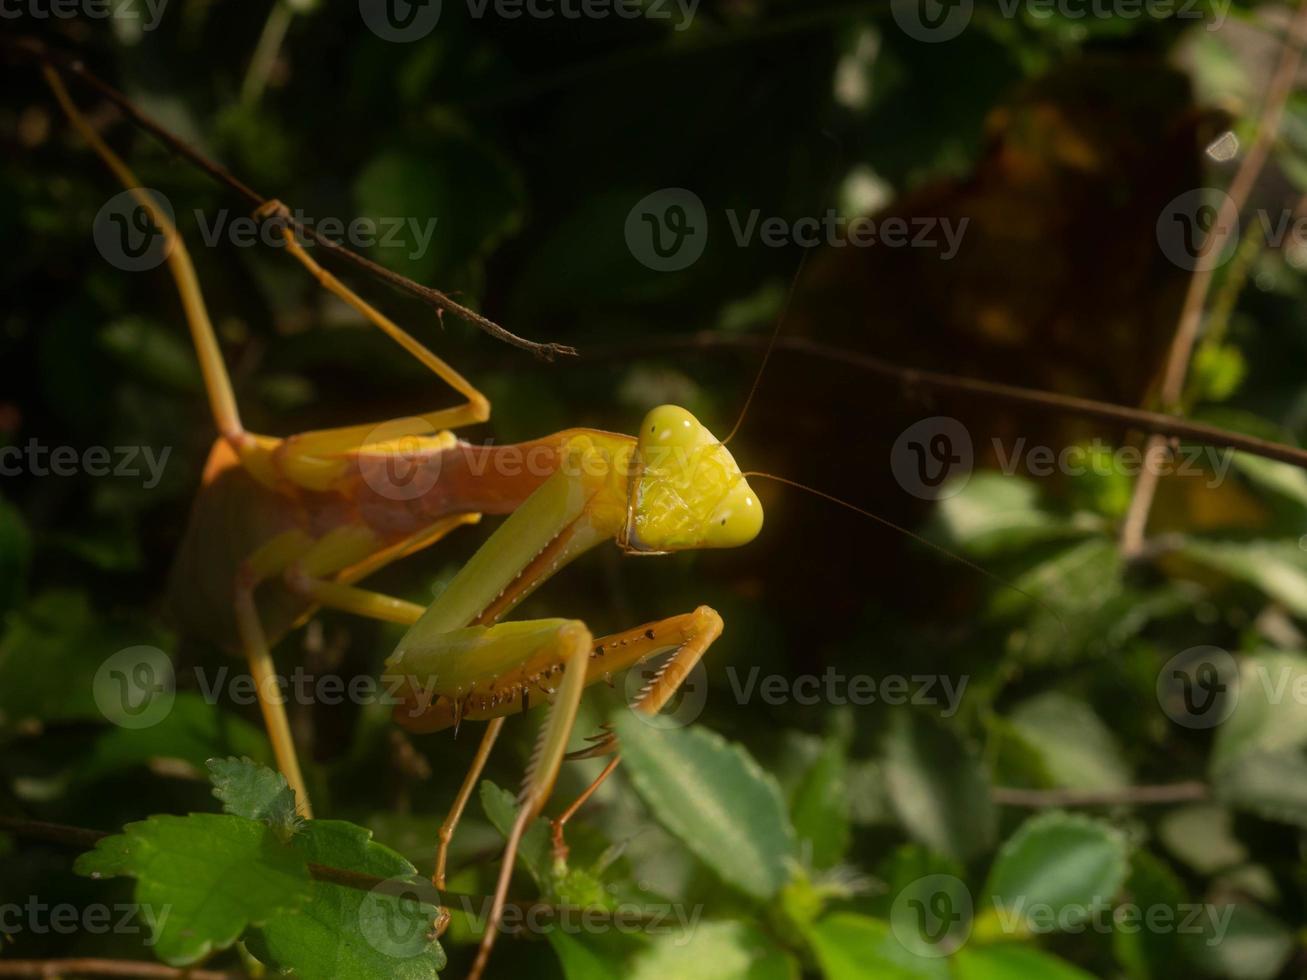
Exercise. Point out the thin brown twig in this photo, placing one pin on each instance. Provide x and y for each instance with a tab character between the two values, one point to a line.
1172	426
32	48
94	967
1185	792
1200	282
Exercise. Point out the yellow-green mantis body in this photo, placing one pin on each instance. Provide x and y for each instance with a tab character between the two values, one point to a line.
283	526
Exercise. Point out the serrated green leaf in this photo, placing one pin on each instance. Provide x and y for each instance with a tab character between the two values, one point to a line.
820	807
347	933
938	787
1058	869
580	961
995	513
713	796
1277	568
15	554
857	947
248	789
1012	962
194	731
1270	713
1271	784
1077	749
1151	954
1249	945
202	879
1202	836
714	951
534	851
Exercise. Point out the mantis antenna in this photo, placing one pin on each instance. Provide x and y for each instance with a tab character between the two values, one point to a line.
831	498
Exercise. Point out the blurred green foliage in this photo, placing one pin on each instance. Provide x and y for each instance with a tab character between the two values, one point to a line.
781	836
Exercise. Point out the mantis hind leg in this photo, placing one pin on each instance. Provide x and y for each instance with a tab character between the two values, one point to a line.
315	459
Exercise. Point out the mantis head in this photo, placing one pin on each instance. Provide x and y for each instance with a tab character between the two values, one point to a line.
686	490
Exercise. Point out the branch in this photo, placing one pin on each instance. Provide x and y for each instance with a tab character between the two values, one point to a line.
32	48
107	968
1187	792
1150	422
1200	283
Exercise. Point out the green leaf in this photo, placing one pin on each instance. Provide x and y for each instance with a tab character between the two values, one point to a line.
938	787
15	555
995	513
581	961
1251	945
248	789
534	852
715	951
61	632
347	933
716	798
193	732
1012	962
1277	568
1271	784
454	198
857	947
1270	713
1151	954
202	879
1077	749
1055	871
1283	479
1085	606
820	807
1202	836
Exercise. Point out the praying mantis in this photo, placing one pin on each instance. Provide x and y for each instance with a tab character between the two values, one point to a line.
285	525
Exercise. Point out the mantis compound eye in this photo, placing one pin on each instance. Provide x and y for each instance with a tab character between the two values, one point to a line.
689	492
